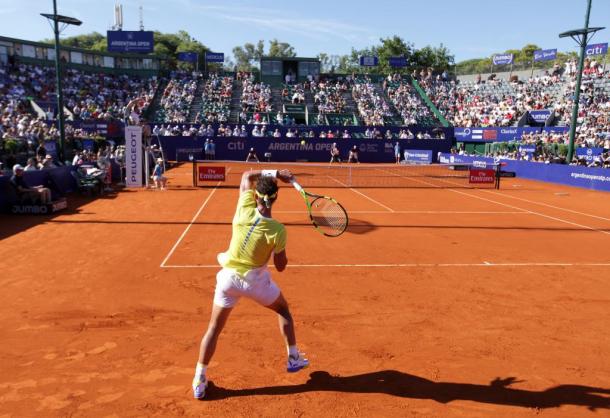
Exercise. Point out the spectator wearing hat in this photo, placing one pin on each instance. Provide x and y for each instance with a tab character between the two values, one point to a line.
34	194
47	163
157	175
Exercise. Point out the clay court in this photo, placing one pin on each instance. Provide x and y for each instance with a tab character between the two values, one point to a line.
436	302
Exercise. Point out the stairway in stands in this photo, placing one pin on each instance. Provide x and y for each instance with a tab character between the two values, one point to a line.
236	101
155	106
276	100
395	119
197	103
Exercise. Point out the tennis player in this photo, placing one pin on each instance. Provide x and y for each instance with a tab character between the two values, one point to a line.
256	237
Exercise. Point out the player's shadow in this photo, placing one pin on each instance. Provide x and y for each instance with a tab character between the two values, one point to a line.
404	385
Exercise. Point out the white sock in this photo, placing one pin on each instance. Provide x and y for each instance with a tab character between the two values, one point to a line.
293	351
200	369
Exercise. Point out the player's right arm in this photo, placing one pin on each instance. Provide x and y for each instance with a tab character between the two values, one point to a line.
248	179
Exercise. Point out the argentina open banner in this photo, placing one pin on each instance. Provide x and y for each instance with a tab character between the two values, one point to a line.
133	156
130	41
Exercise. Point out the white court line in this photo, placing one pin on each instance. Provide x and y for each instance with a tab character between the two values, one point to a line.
511	206
362	194
403	265
532	212
550	206
427	212
189	226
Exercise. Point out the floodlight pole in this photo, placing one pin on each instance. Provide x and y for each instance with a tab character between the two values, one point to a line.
59	94
582	37
58	87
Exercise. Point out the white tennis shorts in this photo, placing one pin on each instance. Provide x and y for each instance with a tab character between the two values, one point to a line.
256	285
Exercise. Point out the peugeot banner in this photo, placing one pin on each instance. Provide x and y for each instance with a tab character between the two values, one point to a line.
133	156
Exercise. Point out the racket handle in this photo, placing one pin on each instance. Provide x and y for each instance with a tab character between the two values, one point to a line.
296	186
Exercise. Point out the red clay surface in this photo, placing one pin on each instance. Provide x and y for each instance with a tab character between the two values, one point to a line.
435	303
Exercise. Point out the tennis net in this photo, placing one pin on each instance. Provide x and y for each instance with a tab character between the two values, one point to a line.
228	174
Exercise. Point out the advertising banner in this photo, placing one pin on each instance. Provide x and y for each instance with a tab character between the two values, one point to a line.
290	149
596	49
51	147
140	41
545	54
587	177
133	156
502	59
480	134
88	144
482	176
397	62
188	56
418	156
540	116
589	154
369	61
211	173
215	57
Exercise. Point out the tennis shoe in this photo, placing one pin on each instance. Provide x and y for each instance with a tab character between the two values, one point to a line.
200	384
295	364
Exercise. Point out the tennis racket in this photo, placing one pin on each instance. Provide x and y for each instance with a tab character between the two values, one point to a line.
326	214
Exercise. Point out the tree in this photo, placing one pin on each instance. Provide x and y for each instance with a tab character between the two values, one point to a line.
247	57
392	47
166	44
281	49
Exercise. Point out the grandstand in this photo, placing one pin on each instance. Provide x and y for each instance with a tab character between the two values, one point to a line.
117	89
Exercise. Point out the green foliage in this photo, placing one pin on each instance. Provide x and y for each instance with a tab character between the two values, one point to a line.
11	145
166	44
247	57
438	57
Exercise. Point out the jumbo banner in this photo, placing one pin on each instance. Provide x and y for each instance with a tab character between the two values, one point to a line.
133	156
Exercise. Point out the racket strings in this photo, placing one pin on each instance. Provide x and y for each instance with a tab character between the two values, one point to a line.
329	216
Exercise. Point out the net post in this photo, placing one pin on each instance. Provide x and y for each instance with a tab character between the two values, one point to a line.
194	173
498	175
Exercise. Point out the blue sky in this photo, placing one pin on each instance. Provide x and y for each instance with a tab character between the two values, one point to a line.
470	28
